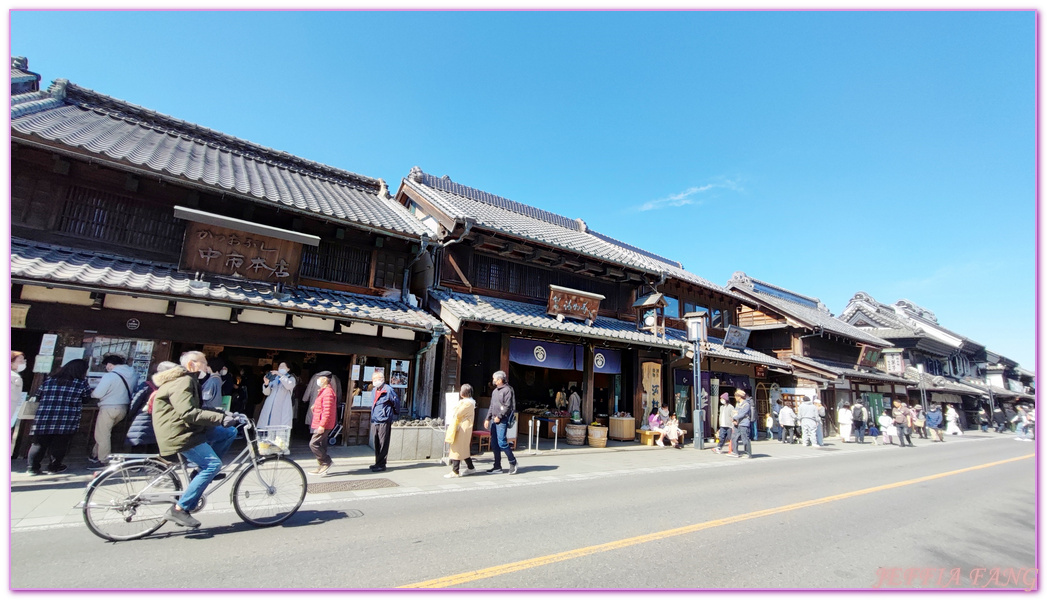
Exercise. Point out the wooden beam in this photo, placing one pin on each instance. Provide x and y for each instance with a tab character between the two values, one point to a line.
504	359
587	401
458	270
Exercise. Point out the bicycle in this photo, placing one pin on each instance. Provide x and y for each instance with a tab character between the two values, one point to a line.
130	498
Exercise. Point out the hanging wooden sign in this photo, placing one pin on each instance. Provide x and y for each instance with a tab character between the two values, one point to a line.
212	249
573	304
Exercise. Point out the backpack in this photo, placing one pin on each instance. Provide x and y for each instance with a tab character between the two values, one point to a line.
858	413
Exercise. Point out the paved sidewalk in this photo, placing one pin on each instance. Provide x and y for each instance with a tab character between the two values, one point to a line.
50	501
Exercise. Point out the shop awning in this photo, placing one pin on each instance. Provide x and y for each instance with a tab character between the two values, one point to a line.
940	384
841	371
715	349
455	308
34	263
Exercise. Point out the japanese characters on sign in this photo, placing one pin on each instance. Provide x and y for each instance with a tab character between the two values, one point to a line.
869	356
573	304
222	251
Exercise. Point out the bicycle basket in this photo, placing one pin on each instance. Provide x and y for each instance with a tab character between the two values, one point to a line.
275	439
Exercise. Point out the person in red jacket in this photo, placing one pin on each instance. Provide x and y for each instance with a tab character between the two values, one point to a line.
324	416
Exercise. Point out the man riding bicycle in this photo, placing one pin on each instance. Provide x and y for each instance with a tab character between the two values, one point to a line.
182	426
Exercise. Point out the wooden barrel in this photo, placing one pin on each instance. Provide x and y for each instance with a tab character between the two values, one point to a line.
575	434
597	436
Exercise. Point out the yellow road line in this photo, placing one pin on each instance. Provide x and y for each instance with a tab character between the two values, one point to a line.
531	563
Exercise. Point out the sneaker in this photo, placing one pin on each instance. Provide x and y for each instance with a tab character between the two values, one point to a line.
734	455
451	475
377	469
180	517
56	469
816	445
659	442
467	472
512	469
33	473
94	462
717	450
494	471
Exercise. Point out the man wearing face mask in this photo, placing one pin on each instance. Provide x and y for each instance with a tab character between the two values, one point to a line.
114	397
182	426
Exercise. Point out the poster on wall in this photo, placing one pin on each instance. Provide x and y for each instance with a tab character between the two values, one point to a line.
43	364
47	344
398	375
356	373
71	353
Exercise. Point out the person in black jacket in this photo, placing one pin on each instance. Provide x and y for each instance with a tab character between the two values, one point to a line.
384	411
499	415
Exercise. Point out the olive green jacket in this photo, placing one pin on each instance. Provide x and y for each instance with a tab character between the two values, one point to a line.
178	420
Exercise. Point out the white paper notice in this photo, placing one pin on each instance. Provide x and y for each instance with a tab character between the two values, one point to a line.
47	344
72	354
356	372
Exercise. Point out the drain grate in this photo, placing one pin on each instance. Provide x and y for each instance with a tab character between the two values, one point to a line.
349	486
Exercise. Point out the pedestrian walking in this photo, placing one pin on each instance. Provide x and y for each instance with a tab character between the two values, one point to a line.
768	422
742	420
278	408
60	405
844	418
140	434
887	428
820	431
211	389
1022	425
1000	418
919	422
726	423
460	433
859	417
312	390
114	398
384	410
935	421
809	419
324	418
983	419
500	417
776	412
17	366
787	419
952	421
902	423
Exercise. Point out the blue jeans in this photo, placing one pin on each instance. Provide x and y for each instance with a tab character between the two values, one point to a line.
859	432
500	444
207	458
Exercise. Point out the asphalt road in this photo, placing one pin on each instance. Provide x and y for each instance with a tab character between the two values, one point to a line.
817	520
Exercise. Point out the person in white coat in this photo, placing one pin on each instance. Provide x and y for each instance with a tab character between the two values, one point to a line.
952	421
844	417
17	366
278	409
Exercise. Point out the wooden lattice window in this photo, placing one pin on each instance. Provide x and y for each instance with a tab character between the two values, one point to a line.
389	270
336	262
120	220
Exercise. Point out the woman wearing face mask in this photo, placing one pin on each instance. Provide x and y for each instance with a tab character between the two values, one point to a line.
17	366
323	421
277	389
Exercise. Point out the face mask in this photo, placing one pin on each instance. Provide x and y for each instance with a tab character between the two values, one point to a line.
20	368
224	372
282	371
319	383
202	375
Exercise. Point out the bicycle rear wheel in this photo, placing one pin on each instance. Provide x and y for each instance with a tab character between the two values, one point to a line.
113	509
270	492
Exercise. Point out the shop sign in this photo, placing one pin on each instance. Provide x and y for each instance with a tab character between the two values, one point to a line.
736	337
222	251
761	371
573	304
893	362
18	315
869	357
652	383
133	324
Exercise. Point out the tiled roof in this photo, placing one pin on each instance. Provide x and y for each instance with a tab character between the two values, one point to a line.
527	222
848	371
904	315
20	70
812	317
97	124
484	309
37	263
997	391
938	383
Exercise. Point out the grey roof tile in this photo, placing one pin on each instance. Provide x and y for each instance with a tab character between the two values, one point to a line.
485	309
527	222
812	316
848	371
938	383
91	122
45	264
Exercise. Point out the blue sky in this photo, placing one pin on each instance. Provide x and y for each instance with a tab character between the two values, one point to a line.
825	152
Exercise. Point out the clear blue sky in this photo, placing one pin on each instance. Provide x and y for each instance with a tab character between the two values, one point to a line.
826	152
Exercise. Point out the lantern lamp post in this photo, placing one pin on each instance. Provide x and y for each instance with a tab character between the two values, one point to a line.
696	334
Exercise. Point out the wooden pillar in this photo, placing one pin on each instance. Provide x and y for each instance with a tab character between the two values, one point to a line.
348	389
637	408
424	393
504	362
587	401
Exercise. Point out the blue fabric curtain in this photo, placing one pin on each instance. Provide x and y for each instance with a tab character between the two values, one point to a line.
569	357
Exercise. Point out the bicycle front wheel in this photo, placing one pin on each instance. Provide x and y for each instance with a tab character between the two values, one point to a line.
114	508
269	492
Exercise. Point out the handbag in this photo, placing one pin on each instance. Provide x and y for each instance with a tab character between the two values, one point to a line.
27	409
920	422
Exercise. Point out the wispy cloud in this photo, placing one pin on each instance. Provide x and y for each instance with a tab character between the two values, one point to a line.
692	195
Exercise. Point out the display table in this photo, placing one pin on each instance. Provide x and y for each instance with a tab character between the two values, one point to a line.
622	428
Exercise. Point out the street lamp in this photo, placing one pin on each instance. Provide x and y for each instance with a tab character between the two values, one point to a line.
923	392
696	334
